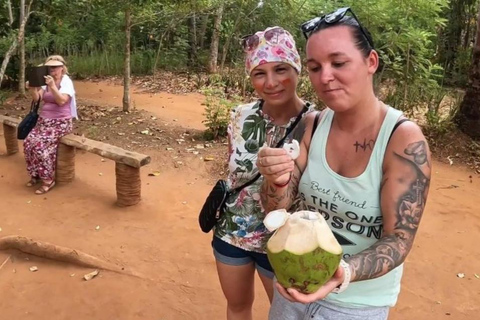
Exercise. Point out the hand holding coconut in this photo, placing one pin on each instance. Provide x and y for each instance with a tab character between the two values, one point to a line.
305	256
294	295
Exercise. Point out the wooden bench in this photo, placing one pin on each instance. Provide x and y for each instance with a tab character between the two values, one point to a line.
127	163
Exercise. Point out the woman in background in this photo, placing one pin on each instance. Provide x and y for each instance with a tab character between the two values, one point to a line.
55	121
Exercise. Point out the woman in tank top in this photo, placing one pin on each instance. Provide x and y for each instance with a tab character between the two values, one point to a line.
364	168
55	121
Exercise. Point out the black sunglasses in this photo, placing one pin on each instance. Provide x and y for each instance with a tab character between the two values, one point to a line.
310	26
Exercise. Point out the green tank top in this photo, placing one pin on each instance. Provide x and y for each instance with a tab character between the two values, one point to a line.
351	207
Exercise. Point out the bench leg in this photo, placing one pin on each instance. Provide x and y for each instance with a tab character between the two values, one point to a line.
128	185
10	139
65	171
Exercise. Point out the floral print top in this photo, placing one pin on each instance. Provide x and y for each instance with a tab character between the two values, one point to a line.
249	129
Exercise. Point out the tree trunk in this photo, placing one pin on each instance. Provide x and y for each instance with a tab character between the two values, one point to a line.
212	65
21	75
452	35
192	53
10	13
126	73
6	59
13	46
157	56
202	32
468	117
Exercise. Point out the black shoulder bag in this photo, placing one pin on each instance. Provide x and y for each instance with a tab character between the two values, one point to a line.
29	122
214	205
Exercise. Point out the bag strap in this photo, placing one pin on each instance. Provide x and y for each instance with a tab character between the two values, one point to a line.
396	126
315	124
35	105
279	144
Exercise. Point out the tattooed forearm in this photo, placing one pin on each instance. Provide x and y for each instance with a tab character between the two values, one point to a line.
274	197
390	251
365	145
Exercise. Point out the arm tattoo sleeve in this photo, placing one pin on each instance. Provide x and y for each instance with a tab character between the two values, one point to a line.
390	251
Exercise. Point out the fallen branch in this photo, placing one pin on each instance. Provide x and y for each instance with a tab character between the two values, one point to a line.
58	253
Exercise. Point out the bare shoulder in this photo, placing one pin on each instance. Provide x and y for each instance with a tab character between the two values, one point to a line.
408	142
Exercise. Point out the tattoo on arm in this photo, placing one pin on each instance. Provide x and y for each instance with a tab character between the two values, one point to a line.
418	150
274	198
390	251
365	145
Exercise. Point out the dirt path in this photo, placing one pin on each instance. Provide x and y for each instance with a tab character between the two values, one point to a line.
184	109
160	239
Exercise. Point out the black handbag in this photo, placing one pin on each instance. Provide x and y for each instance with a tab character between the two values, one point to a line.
214	206
29	122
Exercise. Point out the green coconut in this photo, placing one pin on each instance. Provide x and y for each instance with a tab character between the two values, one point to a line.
303	251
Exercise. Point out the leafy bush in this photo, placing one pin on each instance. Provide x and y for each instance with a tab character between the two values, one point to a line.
217	112
441	111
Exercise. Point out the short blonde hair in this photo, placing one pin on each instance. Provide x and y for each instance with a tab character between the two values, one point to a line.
60	59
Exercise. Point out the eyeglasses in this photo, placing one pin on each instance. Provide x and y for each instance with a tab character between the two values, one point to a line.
310	26
272	36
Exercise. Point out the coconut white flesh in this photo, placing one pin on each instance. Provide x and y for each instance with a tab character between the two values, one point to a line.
275	219
303	232
293	149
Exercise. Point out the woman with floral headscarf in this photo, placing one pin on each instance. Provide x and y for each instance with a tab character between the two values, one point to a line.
273	64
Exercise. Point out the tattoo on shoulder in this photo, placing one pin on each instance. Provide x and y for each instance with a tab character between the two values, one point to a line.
418	150
390	251
365	145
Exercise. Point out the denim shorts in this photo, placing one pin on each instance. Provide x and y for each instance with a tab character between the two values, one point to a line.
282	309
234	256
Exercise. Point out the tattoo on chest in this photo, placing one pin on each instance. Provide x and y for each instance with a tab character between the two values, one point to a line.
365	145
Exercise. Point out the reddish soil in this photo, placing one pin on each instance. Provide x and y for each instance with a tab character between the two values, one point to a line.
160	238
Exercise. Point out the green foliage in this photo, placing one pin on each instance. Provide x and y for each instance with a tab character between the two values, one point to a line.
461	67
456	38
441	112
3	96
412	37
217	112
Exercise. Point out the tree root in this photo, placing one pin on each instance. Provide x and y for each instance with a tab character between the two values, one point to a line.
58	253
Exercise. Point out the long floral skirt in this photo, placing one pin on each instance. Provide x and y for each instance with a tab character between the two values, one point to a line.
41	145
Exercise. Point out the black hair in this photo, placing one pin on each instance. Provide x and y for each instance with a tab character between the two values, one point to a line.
363	39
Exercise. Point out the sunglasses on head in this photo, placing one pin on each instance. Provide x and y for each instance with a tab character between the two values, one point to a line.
310	26
272	36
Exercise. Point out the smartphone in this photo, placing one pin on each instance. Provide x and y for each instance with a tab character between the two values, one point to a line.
36	76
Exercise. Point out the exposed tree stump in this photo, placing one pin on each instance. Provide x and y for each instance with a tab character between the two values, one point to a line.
128	185
11	141
65	163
